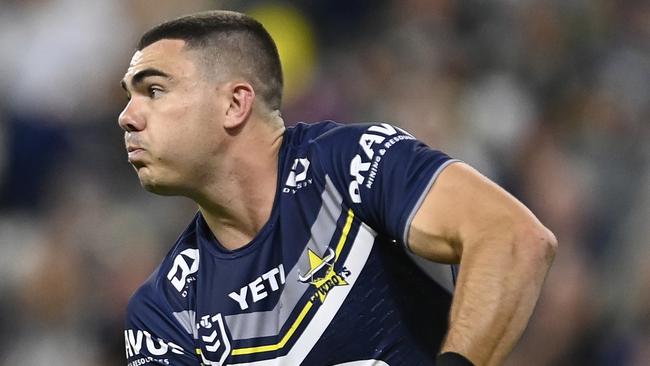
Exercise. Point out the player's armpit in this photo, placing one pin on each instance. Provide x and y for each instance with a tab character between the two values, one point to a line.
504	252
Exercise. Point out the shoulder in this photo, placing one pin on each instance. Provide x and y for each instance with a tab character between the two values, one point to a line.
302	134
324	131
329	139
167	290
350	148
159	324
380	170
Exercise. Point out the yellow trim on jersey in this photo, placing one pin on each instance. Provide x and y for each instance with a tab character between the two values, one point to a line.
277	346
198	353
305	310
344	235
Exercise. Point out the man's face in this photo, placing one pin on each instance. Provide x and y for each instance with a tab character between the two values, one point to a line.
171	122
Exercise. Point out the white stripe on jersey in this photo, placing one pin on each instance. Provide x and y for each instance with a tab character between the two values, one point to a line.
355	261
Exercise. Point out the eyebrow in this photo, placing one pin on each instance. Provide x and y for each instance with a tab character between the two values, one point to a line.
139	77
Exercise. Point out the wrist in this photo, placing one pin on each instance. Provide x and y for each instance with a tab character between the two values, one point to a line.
452	359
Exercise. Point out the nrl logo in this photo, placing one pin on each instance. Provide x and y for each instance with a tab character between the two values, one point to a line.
322	276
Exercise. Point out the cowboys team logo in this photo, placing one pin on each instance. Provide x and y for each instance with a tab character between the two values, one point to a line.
322	275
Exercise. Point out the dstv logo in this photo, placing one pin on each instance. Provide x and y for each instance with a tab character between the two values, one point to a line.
297	176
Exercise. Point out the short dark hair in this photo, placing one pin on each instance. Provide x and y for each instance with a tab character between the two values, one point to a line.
233	39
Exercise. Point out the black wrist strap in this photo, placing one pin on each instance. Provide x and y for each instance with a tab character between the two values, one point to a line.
452	359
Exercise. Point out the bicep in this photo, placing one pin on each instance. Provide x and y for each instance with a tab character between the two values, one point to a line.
461	208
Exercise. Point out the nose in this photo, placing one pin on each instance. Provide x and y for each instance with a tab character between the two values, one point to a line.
130	120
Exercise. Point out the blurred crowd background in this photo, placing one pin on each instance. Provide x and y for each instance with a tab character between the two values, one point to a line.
550	98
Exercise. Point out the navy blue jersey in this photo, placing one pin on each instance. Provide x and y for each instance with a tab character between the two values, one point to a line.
329	279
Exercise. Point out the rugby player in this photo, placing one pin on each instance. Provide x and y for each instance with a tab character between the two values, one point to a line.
316	244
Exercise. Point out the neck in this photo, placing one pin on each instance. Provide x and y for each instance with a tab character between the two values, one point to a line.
238	201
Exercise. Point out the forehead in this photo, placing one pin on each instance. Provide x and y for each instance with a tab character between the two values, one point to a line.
168	55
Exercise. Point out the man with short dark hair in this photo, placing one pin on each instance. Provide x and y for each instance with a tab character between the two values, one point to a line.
309	242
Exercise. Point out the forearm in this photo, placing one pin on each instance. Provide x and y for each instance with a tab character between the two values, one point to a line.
497	288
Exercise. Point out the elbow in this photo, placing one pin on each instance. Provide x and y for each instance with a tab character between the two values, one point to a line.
548	244
551	241
536	244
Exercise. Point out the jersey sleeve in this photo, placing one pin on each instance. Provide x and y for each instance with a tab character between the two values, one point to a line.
156	335
382	171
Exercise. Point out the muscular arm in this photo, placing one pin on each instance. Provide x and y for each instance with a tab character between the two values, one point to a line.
504	254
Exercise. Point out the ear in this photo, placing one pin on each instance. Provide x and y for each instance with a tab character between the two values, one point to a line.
241	105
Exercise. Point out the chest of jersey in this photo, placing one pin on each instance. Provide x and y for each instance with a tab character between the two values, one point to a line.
313	282
323	282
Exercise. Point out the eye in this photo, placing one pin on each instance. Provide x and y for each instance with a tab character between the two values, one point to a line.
154	91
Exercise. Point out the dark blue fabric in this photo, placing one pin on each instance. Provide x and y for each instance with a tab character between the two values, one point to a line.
189	311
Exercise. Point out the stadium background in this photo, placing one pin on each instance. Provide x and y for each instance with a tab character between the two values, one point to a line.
549	98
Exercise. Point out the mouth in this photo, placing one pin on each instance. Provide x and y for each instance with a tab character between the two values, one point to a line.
135	154
131	148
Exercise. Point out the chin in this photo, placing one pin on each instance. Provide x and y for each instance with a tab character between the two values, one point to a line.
161	181
160	189
154	185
